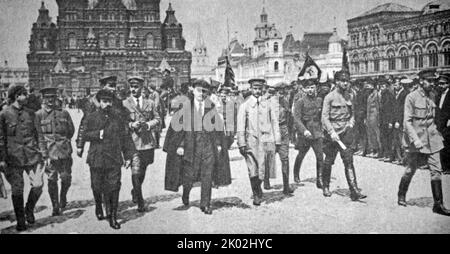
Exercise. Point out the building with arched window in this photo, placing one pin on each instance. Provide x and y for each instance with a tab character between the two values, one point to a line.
408	41
93	38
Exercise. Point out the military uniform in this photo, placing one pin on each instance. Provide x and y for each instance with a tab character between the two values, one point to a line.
443	121
338	120
144	112
19	149
55	131
307	115
258	134
423	142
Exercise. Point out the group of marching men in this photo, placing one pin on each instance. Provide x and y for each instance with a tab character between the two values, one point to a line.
123	131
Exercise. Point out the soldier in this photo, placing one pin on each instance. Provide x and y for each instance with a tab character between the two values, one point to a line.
422	140
398	111
19	152
307	116
258	134
193	146
387	100
443	119
55	131
284	119
144	124
108	83
109	143
338	121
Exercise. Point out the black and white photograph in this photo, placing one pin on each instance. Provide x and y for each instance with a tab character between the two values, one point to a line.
229	117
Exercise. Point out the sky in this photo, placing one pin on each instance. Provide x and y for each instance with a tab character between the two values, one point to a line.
297	16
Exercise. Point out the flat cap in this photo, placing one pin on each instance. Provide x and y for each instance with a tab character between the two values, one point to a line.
105	79
201	83
281	85
406	81
257	82
444	78
14	90
427	74
49	92
137	78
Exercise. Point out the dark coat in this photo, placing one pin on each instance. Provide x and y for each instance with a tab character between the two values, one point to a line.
443	116
34	103
387	103
399	107
18	137
186	139
116	144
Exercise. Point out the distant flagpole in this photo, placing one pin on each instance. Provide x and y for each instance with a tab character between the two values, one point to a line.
228	38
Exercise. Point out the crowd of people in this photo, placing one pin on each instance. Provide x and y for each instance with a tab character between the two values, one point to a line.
400	120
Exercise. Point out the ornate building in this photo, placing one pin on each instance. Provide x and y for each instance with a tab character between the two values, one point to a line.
10	76
397	40
201	68
93	38
277	60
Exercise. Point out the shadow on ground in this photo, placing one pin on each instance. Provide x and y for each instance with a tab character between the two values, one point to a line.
46	221
217	204
423	202
10	216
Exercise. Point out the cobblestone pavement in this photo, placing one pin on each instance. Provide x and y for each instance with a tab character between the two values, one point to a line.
307	211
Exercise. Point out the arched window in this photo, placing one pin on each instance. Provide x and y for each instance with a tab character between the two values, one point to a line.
111	40
174	42
418	57
404	59
366	63
275	47
276	66
72	41
432	56
376	62
446	52
391	60
122	40
149	41
355	61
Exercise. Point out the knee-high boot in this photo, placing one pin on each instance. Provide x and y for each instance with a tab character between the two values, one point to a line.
355	194
53	193
186	191
137	190
98	205
113	198
438	207
65	185
326	178
402	189
19	210
255	183
285	170
297	165
319	177
33	198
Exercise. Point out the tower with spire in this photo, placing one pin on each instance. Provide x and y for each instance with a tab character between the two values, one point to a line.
201	64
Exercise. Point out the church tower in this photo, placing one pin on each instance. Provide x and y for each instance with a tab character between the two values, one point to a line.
200	54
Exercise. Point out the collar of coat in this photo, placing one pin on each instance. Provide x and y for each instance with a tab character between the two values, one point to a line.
131	101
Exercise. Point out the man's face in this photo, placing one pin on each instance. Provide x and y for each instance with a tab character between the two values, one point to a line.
105	103
397	86
111	86
343	84
257	91
22	98
427	85
383	87
136	88
50	101
200	93
444	86
310	90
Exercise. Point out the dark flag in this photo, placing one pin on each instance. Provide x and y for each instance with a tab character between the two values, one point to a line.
345	65
229	75
310	69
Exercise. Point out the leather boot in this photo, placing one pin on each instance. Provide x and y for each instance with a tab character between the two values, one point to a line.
137	189
286	187
256	195
33	197
107	203
63	195
53	193
267	183
438	207
319	180
186	191
98	205
326	178
355	194
402	189
19	210
297	170
114	205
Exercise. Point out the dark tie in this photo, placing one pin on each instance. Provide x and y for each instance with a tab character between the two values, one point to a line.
138	104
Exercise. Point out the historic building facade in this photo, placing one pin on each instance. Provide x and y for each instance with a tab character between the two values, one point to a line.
93	38
202	67
277	60
400	41
10	76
